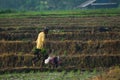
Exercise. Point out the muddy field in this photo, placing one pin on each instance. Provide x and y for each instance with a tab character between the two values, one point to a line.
80	41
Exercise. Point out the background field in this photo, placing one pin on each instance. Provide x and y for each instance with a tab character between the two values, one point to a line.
75	36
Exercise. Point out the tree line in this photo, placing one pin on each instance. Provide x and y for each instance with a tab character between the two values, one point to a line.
39	5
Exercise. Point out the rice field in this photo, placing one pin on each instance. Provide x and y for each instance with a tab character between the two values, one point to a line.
75	37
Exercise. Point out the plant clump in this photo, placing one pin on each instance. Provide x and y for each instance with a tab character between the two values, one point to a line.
112	74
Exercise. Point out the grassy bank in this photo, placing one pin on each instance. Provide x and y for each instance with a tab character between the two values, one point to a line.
112	74
78	75
63	13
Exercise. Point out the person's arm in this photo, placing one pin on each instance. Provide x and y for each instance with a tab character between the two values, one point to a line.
43	37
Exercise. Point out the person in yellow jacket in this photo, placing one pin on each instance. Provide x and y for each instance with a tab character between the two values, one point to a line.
39	51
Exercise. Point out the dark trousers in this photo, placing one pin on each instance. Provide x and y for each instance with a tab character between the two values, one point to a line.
38	56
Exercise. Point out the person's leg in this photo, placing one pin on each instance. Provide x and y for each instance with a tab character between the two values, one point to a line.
36	56
44	56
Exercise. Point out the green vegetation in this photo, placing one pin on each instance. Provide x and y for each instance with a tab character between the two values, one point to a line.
112	74
40	5
72	75
62	13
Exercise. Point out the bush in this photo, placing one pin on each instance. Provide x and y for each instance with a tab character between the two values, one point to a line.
7	11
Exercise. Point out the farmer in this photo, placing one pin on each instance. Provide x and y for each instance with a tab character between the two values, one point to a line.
39	51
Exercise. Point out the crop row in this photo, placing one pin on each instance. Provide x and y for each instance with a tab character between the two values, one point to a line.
66	22
54	29
55	19
77	62
63	47
61	36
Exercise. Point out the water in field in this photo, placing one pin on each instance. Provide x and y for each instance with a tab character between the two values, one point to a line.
78	75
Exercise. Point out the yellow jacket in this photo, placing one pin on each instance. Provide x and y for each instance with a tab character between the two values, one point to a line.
40	40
